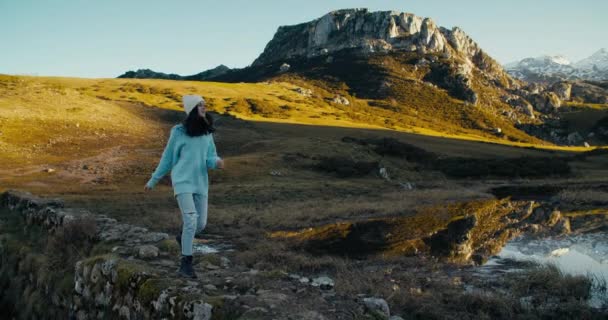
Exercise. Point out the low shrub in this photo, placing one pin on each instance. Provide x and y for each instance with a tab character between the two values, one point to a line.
524	167
344	167
396	148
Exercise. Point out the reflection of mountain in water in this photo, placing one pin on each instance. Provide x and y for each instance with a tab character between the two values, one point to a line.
593	245
461	233
577	254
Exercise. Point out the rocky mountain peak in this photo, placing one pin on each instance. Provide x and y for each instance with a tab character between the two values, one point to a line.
368	32
559	59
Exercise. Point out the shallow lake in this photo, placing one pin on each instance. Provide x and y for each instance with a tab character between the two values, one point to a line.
582	254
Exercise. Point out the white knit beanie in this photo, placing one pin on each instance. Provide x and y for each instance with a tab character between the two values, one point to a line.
190	101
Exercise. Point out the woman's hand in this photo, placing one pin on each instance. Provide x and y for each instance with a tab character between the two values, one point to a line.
146	188
219	164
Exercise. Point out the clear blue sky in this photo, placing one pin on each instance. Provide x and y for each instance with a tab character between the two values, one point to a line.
104	38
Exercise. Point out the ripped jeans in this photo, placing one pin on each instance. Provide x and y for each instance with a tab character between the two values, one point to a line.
194	216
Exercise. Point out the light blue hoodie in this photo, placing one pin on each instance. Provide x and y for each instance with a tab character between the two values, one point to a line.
188	159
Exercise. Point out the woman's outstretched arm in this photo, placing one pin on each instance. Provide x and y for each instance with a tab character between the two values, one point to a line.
166	161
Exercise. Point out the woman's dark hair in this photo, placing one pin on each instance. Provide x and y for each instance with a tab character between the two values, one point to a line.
197	126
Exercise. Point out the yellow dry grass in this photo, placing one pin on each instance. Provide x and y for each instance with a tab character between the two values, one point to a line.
93	104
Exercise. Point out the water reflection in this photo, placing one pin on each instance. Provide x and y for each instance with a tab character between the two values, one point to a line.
207	246
464	233
581	254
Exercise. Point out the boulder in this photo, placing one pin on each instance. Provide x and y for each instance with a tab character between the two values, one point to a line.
546	102
574	138
563	90
303	92
562	226
324	282
454	241
377	307
341	100
520	104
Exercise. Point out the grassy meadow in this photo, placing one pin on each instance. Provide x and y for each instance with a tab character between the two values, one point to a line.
293	163
89	138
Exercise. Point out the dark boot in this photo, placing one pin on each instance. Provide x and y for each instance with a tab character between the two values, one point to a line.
186	269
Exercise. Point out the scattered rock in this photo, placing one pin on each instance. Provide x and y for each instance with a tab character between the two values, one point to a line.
147	251
574	138
273	299
341	100
304	92
252	272
308	315
211	266
49	170
201	311
210	287
254	314
275	173
407	185
526	302
377	306
224	262
324	282
384	174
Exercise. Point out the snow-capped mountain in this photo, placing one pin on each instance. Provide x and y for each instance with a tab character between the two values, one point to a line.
597	61
549	69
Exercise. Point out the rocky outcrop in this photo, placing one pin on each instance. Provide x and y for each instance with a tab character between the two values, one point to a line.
359	29
340	100
545	102
520	104
454	241
456	78
367	32
590	92
562	90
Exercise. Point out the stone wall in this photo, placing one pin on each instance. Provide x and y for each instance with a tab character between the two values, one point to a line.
133	278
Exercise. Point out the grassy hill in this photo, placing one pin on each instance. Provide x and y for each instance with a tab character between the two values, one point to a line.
105	110
288	169
101	139
106	135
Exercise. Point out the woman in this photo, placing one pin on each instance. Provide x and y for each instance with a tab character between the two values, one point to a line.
190	151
